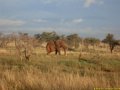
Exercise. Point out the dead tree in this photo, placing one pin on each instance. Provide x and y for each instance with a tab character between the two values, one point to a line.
24	46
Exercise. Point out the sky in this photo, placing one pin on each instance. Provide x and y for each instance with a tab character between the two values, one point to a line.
88	18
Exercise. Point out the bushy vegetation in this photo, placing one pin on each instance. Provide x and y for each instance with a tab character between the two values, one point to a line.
111	41
44	72
24	64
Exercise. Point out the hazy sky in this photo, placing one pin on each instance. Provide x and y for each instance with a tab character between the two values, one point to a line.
91	18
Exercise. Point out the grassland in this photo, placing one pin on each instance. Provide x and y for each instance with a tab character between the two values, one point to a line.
53	72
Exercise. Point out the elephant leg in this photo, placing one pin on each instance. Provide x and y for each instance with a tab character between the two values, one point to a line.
64	51
49	51
58	50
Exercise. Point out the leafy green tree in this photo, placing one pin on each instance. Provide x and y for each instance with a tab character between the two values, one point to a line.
91	41
47	36
73	40
111	41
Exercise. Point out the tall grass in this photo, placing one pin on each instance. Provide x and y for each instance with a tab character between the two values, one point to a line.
52	72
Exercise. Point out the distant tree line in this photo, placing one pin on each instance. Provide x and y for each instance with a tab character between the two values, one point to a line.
73	40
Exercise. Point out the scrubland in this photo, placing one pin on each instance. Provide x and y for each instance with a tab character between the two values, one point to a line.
55	72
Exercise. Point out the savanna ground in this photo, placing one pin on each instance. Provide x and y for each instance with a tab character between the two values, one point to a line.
54	72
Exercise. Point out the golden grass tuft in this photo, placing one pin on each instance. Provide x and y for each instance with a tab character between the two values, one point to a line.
52	72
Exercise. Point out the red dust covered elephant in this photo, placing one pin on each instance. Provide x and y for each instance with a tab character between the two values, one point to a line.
56	45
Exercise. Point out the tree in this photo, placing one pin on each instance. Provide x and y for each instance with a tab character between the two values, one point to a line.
91	41
24	45
46	36
111	41
4	40
73	40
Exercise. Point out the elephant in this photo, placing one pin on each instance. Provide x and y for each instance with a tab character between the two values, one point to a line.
56	45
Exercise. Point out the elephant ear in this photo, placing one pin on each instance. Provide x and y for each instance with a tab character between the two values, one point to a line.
50	46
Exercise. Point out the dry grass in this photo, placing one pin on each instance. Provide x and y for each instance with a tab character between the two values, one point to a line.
34	79
52	72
